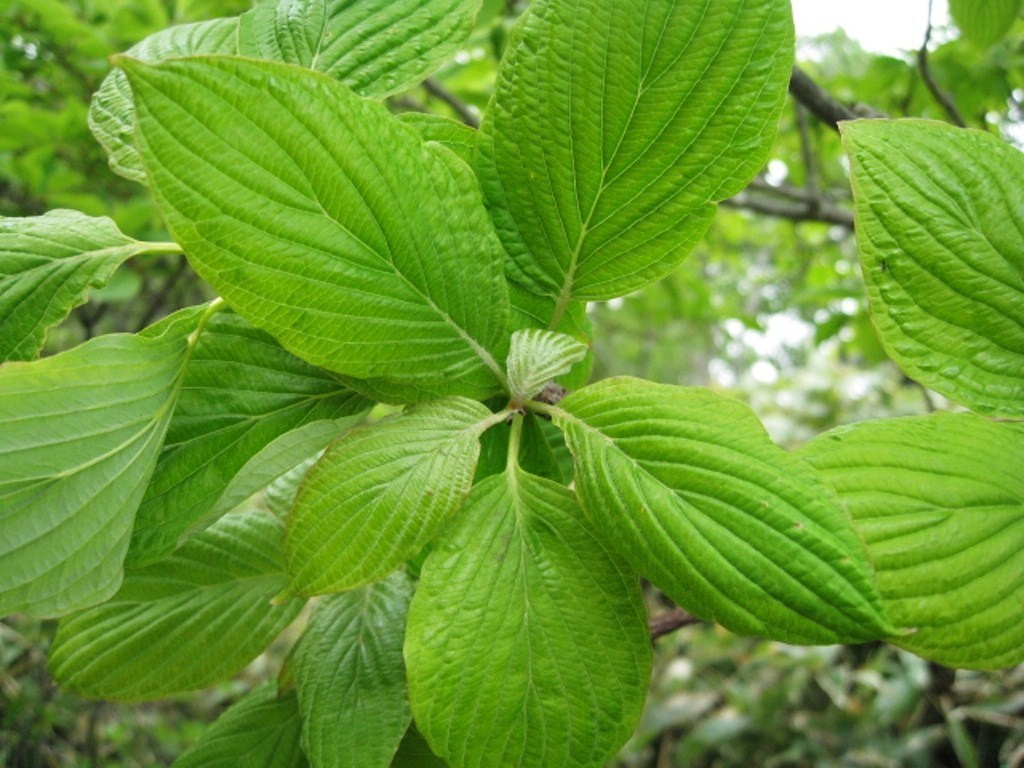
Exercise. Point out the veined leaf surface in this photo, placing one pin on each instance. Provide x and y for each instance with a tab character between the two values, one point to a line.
80	433
241	391
380	493
350	676
111	112
184	623
527	642
48	264
332	230
984	21
616	126
940	229
536	357
450	134
939	500
375	48
260	730
687	486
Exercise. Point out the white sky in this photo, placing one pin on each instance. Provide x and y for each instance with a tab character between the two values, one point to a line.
882	26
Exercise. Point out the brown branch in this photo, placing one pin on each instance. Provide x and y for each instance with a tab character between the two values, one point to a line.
670	621
817	100
812	183
463	110
944	99
790	192
819	210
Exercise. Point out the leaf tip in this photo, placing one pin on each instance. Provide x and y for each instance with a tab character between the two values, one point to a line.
127	64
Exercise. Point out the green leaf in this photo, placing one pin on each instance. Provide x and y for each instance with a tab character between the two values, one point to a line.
375	48
380	493
536	357
450	134
48	264
80	433
184	623
528	310
111	112
260	730
940	501
615	127
350	677
414	752
276	461
527	642
338	240
984	21
941	235
242	391
686	484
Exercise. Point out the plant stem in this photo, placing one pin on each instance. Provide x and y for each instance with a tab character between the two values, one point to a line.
159	249
514	440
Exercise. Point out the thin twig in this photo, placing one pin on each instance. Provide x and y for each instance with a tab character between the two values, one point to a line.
812	183
818	101
463	110
794	211
944	99
788	191
670	621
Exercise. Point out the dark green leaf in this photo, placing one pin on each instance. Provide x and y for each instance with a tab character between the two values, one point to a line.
241	392
350	676
261	730
186	622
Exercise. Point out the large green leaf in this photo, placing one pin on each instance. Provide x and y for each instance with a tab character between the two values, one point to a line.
375	48
687	485
350	676
615	127
941	235
48	264
276	461
527	643
984	21
260	730
331	229
242	391
80	433
184	623
380	493
940	501
112	114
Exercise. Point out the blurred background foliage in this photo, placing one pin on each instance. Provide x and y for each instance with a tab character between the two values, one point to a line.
770	308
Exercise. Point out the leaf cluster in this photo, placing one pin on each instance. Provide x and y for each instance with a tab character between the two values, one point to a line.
177	495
